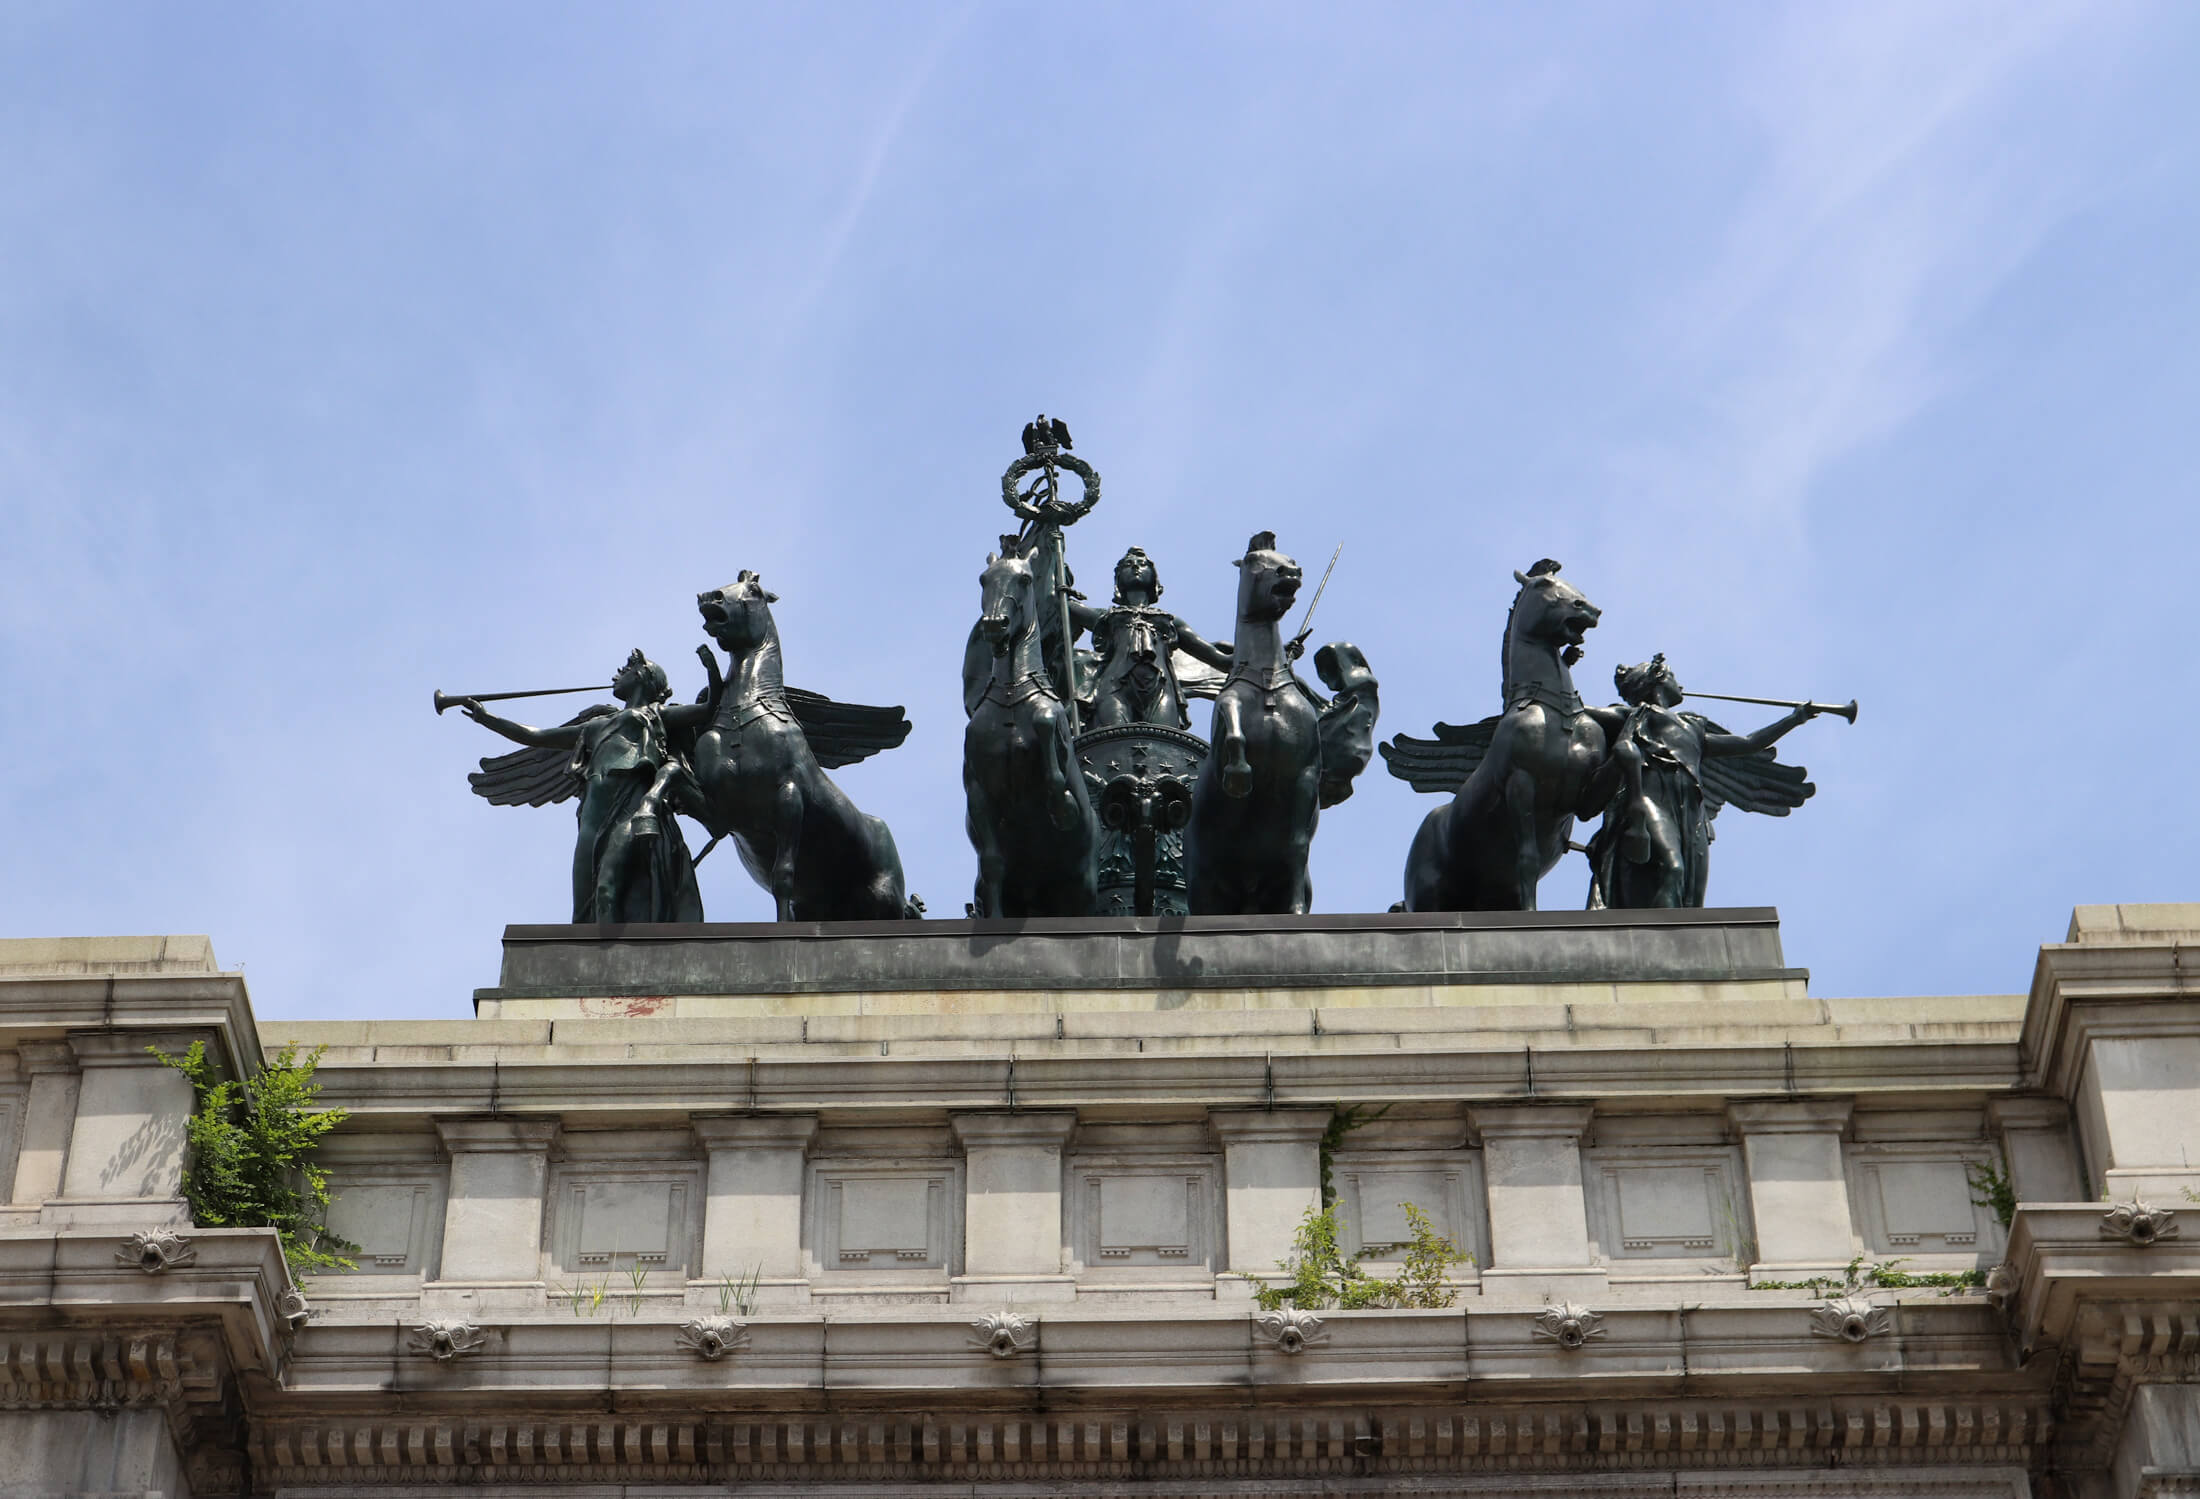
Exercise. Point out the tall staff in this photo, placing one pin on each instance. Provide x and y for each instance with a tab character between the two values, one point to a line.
1046	514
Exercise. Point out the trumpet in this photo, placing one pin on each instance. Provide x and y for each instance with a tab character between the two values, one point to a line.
452	699
1846	710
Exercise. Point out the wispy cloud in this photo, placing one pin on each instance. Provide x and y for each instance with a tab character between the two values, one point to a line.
875	157
1890	205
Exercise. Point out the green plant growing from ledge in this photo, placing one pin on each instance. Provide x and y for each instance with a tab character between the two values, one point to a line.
251	1154
737	1295
584	1300
1323	1276
1991	1188
1864	1275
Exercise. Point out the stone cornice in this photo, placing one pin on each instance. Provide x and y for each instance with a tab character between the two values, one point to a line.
539	1081
140	1007
2127	989
88	1321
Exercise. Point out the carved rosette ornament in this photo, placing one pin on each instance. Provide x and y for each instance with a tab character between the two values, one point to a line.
1567	1325
1002	1334
712	1338
1850	1319
292	1308
444	1340
156	1250
1292	1331
2139	1223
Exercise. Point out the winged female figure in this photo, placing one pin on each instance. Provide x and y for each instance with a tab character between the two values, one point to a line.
630	862
1675	771
1668	774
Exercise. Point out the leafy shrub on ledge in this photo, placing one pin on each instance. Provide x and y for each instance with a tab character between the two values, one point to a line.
251	1158
1322	1277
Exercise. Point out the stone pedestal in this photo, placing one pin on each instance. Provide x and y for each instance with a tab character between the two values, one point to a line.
1012	1214
126	1144
1271	1172
752	1215
492	1222
1539	1220
1798	1187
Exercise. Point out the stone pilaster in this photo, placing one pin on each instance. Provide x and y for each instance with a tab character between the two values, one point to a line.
492	1218
1012	1206
753	1189
126	1143
1798	1186
49	1117
1539	1218
2036	1146
1271	1172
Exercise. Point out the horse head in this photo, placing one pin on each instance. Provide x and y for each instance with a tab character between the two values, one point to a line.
1268	581
739	616
1550	610
1007	587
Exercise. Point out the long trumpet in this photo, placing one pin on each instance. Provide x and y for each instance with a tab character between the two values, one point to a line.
452	699
1847	710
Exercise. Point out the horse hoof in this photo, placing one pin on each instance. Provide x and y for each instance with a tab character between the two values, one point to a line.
1237	780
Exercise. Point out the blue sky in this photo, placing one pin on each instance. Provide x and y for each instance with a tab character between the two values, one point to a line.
346	353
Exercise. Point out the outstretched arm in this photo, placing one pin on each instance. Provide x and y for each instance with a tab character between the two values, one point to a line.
564	736
1199	648
1716	746
1082	616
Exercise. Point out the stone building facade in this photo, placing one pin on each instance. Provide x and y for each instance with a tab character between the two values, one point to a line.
962	1209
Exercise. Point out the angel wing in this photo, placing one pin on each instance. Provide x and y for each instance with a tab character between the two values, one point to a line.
532	777
1442	763
843	733
1755	782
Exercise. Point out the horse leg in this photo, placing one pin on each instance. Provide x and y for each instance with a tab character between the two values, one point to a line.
787	812
1061	765
1527	851
1237	771
986	896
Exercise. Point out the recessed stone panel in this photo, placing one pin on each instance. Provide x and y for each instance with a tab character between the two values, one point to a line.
1917	1199
1666	1202
389	1223
873	1219
1153	1215
1373	1188
1135	1213
606	1218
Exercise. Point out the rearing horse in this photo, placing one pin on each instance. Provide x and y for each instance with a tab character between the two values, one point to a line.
1258	795
1029	813
1509	825
799	835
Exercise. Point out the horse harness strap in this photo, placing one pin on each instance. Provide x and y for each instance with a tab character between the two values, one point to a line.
772	705
1536	694
1277	678
1022	690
